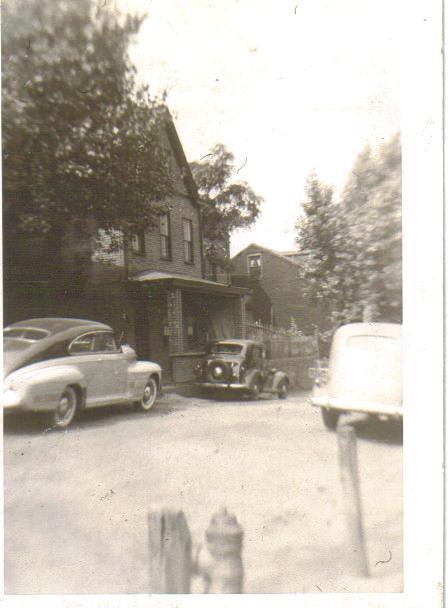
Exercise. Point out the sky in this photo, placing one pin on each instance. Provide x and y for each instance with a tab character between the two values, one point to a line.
287	86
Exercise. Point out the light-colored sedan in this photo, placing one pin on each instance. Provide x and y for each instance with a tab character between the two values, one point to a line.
364	373
62	366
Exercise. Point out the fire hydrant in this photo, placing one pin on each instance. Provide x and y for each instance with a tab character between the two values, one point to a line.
219	562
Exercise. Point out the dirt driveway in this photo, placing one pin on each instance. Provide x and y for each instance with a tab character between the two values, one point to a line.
76	502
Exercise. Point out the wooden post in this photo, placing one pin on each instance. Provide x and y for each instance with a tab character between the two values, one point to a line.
224	541
169	552
348	463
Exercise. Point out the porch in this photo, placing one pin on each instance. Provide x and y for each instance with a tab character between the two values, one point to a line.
176	315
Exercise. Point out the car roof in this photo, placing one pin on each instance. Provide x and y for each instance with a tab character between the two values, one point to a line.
369	329
56	325
17	355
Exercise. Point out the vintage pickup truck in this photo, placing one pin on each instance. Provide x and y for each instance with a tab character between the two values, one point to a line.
240	365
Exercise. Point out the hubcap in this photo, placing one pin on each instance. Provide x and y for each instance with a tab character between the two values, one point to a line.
148	395
65	408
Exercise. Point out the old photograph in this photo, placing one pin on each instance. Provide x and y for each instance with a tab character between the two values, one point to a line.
202	297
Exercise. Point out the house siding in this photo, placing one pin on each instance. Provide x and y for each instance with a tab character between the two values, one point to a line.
279	280
180	207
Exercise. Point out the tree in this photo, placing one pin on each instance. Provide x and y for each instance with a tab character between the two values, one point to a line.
79	137
315	235
371	207
352	248
227	204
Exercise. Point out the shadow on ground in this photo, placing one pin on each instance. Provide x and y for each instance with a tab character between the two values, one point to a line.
379	431
31	423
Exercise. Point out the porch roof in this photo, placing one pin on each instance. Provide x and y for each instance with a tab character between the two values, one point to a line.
180	280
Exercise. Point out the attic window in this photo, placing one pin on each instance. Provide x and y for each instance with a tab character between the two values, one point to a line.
254	267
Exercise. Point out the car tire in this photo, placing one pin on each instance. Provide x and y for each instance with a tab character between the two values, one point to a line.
66	410
255	388
149	396
283	389
330	417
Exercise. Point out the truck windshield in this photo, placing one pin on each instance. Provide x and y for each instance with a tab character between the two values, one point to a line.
225	349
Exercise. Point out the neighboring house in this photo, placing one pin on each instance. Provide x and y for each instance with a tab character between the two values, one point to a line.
216	254
155	293
278	295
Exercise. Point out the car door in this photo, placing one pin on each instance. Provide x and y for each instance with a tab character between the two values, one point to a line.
112	367
103	366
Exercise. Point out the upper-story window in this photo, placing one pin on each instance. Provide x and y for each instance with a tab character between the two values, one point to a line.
138	242
188	241
254	266
165	237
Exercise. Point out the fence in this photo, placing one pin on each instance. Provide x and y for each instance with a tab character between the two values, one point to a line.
283	343
174	562
288	350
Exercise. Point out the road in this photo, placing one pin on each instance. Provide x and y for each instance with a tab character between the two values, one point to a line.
76	502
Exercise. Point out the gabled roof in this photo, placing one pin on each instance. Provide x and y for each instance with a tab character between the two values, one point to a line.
181	159
262	249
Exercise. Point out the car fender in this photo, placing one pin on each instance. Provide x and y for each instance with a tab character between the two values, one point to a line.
40	389
279	376
138	374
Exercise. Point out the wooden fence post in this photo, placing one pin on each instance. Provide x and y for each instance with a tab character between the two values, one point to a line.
348	463
169	552
224	542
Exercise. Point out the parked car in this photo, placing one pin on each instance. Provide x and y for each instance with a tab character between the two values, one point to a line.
61	366
240	365
364	373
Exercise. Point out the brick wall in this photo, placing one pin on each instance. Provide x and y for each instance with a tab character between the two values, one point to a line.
183	366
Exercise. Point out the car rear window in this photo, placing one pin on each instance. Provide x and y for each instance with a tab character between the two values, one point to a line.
376	343
25	333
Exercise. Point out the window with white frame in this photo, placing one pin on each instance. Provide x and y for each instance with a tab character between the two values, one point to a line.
165	237
188	241
254	266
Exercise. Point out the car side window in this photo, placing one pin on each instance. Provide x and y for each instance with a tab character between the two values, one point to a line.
83	344
104	342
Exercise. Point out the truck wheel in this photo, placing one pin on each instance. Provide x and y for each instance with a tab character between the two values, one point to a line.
283	388
330	417
255	388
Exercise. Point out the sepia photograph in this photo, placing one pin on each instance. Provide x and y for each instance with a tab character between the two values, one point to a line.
203	309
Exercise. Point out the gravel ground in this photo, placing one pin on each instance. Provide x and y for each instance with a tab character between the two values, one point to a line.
76	502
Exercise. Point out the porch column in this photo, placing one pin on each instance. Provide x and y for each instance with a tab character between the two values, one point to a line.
176	339
241	317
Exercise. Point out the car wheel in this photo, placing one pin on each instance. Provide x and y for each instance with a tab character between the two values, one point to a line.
66	409
330	417
283	389
149	395
255	388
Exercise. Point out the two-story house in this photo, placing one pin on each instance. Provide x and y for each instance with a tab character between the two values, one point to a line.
278	295
154	293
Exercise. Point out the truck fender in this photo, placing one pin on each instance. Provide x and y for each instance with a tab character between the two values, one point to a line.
278	377
250	376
